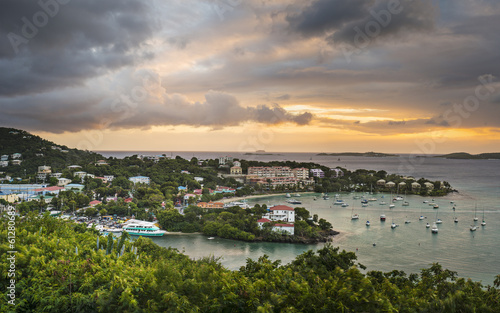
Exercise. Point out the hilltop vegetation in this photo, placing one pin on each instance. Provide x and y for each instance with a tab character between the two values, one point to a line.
37	151
465	155
65	267
241	224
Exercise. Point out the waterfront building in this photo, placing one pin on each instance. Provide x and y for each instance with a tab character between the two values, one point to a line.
281	213
301	173
317	172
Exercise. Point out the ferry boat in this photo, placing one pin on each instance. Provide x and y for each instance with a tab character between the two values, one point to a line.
142	228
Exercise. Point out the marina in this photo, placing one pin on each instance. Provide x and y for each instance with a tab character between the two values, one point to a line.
471	254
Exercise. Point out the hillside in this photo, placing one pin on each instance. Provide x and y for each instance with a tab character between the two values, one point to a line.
36	151
465	155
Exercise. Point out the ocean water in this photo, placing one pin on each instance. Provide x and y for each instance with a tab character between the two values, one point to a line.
409	247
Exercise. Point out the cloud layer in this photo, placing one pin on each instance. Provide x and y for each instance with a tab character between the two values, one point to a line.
373	67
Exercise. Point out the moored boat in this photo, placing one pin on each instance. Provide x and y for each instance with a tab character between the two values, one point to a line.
143	228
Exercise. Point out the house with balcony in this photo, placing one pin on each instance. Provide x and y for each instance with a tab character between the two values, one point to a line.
281	213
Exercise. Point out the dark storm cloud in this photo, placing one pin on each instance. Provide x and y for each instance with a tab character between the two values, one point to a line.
409	17
325	15
343	20
98	109
51	44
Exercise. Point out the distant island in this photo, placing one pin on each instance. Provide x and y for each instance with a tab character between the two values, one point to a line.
362	154
465	155
261	153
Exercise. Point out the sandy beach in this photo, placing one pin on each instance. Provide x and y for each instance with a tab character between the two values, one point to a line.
258	196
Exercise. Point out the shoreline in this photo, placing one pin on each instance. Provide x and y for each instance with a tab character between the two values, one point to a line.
226	200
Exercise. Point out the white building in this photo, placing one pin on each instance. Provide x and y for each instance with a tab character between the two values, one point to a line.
317	172
281	213
4	163
80	174
279	228
224	160
109	178
301	173
63	182
140	180
284	228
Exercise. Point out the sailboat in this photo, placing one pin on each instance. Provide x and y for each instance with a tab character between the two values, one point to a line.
483	223
434	228
475	213
354	216
438	220
405	203
473	227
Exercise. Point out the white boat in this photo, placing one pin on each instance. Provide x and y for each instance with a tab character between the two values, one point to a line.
383	203
372	199
143	228
288	195
391	206
326	197
473	228
294	201
421	217
354	216
345	205
338	202
455	220
475	215
242	205
406	203
210	238
426	201
398	198
483	223
427	225
393	225
297	195
364	204
367	223
434	228
439	221
435	206
407	221
382	217
112	230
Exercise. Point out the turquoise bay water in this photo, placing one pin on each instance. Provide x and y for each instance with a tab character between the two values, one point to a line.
409	247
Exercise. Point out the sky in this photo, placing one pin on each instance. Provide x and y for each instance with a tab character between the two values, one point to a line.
396	76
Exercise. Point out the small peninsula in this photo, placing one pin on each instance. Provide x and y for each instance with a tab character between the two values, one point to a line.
362	154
